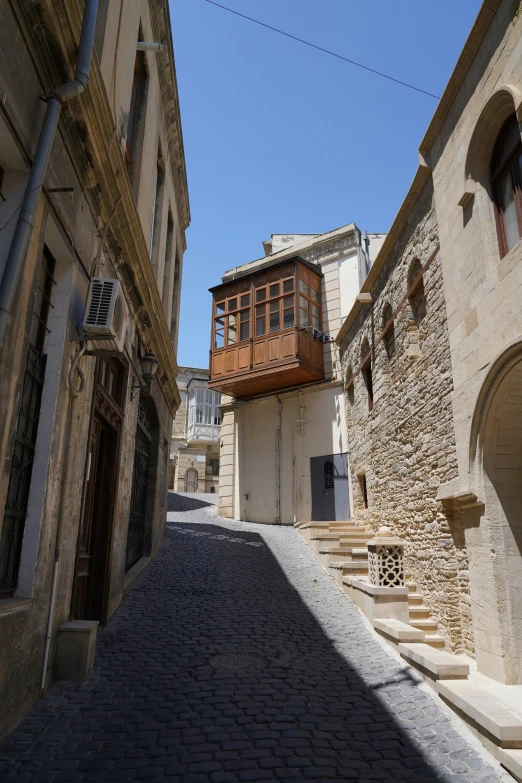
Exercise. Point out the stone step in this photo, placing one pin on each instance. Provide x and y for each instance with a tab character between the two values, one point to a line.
512	761
438	664
354	569
312	525
435	640
415	599
324	537
419	612
428	626
349	534
397	631
487	712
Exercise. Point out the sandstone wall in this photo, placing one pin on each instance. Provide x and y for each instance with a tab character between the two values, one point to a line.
405	445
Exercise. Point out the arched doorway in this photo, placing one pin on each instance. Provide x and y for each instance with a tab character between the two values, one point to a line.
495	539
143	482
191	480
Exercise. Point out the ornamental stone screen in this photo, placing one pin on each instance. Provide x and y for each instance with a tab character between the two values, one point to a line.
386	560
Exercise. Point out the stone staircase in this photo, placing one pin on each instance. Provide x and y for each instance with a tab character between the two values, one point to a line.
342	549
492	711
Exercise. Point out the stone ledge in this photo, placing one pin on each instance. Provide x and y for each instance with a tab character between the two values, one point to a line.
490	715
397	631
13	604
512	761
369	589
438	664
133	573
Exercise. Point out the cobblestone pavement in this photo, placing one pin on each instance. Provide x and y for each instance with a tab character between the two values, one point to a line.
321	701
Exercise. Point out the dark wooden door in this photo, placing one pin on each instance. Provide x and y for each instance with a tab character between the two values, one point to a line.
330	496
92	571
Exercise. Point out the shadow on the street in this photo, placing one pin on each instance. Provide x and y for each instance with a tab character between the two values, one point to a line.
178	502
308	713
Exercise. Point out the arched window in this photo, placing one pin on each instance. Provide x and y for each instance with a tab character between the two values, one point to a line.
506	184
416	295
388	327
366	371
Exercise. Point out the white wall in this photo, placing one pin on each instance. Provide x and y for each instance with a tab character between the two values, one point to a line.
324	433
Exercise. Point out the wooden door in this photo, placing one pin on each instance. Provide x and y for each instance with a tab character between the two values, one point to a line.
191	480
92	570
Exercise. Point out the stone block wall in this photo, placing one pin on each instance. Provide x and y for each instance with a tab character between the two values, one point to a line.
404	448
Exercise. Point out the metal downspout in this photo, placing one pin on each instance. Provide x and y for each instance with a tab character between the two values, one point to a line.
18	249
300	426
279	459
26	218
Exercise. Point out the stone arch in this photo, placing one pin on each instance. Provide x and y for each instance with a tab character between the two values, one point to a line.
494	540
349	384
366	370
504	101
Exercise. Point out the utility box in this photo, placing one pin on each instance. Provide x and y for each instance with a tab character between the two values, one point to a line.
75	647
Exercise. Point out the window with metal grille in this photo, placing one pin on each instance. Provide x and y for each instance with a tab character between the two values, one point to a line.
328	474
15	512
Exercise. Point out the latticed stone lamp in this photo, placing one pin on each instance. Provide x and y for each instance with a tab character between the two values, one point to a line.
149	365
386	559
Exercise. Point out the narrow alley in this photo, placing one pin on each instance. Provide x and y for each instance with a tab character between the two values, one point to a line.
236	658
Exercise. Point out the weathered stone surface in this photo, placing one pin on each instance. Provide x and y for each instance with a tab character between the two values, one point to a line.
330	704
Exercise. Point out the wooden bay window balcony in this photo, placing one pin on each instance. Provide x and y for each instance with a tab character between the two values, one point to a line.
263	330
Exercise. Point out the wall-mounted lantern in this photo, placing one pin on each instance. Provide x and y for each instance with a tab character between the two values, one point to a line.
149	365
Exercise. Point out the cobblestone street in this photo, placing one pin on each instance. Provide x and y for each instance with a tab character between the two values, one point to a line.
319	698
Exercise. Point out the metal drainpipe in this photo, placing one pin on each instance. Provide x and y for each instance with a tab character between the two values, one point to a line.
23	230
24	227
300	426
279	466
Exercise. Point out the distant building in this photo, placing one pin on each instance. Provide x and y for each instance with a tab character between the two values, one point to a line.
195	434
284	454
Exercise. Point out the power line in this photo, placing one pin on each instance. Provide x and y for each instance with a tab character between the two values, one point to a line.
326	51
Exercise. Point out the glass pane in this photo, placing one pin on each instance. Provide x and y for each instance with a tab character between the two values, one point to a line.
303	302
288	285
260	294
220	307
508	211
315	311
315	294
288	318
274	289
232	304
244	315
260	310
511	137
288	301
232	330
244	331
219	337
245	300
303	318
275	322
260	326
199	414
274	306
304	288
315	322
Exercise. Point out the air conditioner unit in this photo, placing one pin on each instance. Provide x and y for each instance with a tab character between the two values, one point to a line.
106	318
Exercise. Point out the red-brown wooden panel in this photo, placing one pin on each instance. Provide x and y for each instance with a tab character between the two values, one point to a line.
274	349
288	345
260	353
231	360
244	357
317	352
305	346
218	364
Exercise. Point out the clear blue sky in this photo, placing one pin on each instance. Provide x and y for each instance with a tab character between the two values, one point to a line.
282	138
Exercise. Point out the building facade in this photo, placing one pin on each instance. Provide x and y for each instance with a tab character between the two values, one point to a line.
195	448
99	167
432	358
283	436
